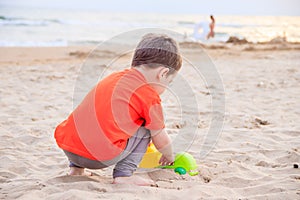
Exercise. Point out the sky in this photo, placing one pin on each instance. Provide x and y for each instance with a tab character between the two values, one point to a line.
217	7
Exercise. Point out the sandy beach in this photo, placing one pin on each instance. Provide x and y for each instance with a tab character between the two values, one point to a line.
253	158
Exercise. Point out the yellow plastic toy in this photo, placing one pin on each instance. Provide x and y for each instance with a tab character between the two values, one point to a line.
184	162
151	157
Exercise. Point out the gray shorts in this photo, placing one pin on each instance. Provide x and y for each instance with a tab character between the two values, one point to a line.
126	163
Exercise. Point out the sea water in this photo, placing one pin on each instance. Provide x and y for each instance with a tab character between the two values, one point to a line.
22	26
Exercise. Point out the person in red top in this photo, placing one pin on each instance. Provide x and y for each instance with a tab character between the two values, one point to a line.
115	122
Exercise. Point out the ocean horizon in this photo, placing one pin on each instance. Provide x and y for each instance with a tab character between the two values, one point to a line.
21	26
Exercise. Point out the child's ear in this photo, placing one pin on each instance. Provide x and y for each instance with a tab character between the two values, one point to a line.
163	72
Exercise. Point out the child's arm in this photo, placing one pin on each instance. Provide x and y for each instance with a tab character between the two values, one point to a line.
163	144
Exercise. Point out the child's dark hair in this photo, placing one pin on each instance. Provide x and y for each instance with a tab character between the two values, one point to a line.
157	49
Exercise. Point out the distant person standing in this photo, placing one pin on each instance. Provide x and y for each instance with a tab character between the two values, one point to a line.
207	29
211	34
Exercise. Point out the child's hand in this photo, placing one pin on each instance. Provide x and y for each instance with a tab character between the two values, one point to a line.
166	160
163	143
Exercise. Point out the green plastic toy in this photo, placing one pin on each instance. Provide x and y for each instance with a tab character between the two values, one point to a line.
184	162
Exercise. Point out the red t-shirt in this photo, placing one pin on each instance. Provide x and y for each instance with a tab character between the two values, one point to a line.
109	115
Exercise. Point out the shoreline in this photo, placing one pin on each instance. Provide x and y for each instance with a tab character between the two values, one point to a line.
62	53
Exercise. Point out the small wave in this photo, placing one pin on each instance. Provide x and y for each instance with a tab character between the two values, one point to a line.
13	21
23	23
9	21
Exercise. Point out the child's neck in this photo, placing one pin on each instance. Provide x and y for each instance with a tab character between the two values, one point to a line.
151	76
148	73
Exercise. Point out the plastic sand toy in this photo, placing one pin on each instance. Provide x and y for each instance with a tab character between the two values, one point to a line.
151	157
184	162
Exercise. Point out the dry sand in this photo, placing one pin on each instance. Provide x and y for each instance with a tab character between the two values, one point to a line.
253	157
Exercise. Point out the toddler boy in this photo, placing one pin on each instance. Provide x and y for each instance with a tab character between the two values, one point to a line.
115	122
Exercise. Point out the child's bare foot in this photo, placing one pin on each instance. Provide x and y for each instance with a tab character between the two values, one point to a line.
136	180
75	171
